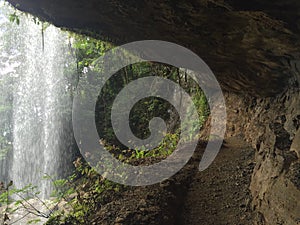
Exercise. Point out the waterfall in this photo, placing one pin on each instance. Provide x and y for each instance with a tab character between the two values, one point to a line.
37	64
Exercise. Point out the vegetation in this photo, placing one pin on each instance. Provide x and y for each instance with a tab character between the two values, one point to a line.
85	191
92	190
88	50
80	194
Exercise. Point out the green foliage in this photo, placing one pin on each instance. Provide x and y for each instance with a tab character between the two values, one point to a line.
88	50
14	199
82	193
168	144
33	221
164	149
14	18
202	109
87	188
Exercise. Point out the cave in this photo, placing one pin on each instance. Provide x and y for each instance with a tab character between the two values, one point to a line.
253	49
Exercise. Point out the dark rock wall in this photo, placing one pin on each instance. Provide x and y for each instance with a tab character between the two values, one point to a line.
271	125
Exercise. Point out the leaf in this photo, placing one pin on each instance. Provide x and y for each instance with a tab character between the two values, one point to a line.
33	221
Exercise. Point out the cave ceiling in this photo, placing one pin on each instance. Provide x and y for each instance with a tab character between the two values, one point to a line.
249	45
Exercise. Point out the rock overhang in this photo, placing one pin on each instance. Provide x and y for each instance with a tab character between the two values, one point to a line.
248	44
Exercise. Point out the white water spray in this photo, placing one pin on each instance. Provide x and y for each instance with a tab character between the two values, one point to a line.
38	67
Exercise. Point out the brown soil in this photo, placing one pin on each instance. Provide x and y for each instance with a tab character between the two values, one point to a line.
220	195
216	196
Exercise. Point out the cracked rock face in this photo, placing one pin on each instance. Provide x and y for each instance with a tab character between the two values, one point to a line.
253	49
272	126
296	144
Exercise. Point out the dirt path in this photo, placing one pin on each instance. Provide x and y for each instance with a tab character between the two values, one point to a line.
216	196
220	195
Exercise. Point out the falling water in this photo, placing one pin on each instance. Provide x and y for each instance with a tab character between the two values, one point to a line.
38	67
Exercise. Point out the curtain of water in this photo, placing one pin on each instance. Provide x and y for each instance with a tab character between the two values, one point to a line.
38	70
